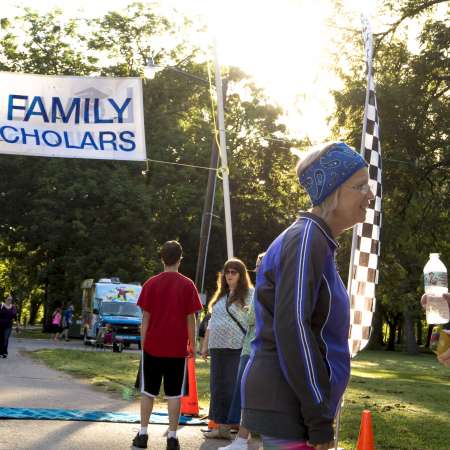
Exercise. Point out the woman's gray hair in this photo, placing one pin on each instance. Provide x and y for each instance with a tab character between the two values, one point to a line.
330	203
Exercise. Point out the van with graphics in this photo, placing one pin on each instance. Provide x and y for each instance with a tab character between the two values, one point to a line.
108	303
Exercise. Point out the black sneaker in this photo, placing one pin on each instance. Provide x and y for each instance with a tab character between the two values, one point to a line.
172	444
140	440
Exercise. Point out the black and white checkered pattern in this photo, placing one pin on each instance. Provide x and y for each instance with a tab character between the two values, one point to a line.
364	270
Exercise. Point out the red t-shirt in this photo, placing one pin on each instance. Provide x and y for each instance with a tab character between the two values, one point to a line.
169	298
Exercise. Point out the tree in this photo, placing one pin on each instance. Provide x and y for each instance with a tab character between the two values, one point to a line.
66	220
51	47
412	94
265	192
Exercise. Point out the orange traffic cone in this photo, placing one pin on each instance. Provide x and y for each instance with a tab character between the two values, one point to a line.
189	403
365	439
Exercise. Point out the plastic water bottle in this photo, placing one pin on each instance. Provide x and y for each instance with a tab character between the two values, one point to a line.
436	284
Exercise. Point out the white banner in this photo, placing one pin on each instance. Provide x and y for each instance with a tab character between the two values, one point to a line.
72	117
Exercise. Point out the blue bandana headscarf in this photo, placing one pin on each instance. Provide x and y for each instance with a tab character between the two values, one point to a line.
331	170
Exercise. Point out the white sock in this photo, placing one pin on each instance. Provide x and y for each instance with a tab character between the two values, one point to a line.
171	434
143	430
240	440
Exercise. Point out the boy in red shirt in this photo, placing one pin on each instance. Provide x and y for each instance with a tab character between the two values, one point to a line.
169	302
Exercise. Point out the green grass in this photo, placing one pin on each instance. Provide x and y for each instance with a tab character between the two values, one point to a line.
32	333
409	397
114	372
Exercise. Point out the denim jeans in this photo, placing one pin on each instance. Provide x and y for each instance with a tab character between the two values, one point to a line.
4	338
223	370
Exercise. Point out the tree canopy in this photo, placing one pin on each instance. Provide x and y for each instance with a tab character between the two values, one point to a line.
413	101
66	220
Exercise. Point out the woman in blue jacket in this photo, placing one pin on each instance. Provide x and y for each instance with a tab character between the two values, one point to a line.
300	361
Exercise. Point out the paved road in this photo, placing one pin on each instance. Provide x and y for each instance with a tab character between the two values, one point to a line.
26	383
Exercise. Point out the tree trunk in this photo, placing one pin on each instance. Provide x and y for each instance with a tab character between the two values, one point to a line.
376	335
47	309
391	339
34	309
429	333
419	332
410	338
19	310
399	333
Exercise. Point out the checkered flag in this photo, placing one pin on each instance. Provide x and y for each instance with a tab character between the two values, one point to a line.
363	274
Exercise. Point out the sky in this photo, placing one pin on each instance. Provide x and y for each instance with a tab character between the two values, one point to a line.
283	44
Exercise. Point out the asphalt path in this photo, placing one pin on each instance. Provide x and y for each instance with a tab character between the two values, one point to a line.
27	383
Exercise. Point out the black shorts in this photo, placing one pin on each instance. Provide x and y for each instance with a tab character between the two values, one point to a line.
172	370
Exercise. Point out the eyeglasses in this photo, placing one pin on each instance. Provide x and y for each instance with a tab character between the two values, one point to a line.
363	188
231	272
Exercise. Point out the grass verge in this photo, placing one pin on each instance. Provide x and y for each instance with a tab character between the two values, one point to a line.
407	395
113	372
32	333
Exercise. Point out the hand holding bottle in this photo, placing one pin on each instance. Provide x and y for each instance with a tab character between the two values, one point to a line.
437	307
424	299
442	339
436	284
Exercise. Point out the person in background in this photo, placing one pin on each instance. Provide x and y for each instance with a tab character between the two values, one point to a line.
8	314
67	321
108	336
223	341
56	323
443	358
234	415
169	302
299	366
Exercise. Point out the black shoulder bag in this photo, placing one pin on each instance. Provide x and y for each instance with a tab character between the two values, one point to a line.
227	306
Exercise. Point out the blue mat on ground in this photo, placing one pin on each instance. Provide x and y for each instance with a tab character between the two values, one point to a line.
158	418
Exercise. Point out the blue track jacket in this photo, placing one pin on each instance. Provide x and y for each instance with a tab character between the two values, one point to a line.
300	361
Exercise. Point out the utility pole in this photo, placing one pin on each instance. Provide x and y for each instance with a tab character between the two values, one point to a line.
223	156
208	207
216	150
